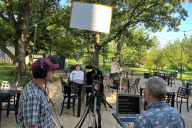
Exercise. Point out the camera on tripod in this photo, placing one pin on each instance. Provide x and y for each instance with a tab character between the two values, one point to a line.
97	81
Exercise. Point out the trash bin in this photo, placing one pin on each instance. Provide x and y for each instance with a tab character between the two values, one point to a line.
146	75
179	70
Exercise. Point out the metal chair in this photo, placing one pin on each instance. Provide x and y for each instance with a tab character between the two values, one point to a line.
135	85
116	82
12	85
184	85
5	85
68	92
183	97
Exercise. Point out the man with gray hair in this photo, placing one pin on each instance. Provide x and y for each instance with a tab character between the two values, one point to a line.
158	114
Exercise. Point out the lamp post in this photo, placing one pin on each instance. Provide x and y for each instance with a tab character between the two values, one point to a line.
181	65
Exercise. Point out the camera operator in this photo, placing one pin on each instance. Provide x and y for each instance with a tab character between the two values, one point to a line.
34	110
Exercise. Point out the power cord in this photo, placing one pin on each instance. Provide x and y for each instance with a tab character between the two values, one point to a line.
49	100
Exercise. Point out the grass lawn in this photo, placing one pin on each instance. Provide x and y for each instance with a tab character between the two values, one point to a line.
6	64
6	68
7	77
184	77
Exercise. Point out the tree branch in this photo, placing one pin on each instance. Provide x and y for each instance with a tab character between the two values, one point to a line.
5	50
2	16
129	21
10	15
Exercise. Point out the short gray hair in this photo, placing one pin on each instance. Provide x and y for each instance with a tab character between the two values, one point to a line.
157	86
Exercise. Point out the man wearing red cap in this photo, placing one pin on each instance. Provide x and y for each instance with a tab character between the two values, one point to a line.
34	109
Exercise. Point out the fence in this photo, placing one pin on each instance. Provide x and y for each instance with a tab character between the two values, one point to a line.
4	57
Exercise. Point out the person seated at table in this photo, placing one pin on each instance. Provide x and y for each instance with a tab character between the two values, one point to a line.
158	114
76	74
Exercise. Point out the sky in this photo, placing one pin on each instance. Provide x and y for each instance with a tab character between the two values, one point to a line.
165	37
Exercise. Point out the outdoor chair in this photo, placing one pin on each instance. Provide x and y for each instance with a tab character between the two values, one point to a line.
172	77
130	76
116	82
68	92
184	85
135	85
155	71
169	97
183	97
5	85
12	85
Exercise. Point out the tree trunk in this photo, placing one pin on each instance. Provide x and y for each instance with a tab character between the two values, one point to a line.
30	52
119	45
21	56
96	57
103	56
90	58
96	48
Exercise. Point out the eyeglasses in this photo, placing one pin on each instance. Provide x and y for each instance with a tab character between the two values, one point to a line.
53	71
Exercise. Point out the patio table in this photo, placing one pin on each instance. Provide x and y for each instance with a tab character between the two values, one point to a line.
80	85
169	94
6	95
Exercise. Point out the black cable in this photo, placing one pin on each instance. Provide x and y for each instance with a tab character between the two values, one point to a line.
49	99
81	117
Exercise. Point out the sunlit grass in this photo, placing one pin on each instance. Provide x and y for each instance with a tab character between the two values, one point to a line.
6	64
55	78
6	68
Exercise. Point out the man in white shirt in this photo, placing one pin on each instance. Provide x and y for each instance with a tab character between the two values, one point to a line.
76	74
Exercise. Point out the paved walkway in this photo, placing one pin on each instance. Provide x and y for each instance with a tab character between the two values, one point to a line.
69	121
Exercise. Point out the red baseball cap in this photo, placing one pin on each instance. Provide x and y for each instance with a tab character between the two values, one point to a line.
46	65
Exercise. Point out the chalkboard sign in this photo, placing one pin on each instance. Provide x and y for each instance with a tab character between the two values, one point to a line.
128	104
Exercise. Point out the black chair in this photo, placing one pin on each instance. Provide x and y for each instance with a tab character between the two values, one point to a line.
183	97
184	85
169	98
68	92
135	85
130	73
155	71
10	107
116	83
172	77
12	85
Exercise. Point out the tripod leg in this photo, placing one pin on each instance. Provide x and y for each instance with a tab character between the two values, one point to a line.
99	118
84	118
104	103
107	103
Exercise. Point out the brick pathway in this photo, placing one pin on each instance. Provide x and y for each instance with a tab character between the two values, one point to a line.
69	121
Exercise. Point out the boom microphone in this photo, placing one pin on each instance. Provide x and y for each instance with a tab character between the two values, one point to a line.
77	57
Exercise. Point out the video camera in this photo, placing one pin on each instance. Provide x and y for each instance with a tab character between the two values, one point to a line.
94	76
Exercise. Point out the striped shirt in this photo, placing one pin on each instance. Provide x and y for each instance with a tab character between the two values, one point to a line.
34	108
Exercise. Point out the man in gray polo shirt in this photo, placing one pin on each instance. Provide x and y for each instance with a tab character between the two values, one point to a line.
34	109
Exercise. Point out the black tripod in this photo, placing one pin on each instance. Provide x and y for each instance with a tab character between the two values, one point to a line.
99	99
